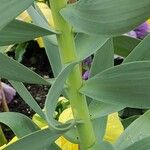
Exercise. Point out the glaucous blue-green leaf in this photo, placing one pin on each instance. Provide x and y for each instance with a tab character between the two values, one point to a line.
27	97
103	59
88	44
52	52
140	52
50	42
12	70
99	126
18	31
99	109
20	124
135	132
52	98
10	9
103	146
40	140
123	45
140	145
126	85
127	121
106	17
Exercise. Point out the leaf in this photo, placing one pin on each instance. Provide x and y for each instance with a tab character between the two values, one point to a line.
103	59
126	85
52	97
140	52
18	31
126	122
50	42
86	44
123	45
39	19
99	109
12	70
99	126
140	145
103	146
27	97
52	52
10	9
106	17
39	140
19	51
136	131
18	123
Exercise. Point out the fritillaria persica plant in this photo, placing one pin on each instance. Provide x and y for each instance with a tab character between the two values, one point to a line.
81	29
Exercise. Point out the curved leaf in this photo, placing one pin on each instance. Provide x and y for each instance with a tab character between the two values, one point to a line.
135	132
18	31
88	44
19	123
40	140
140	52
52	97
12	70
107	17
140	145
123	45
14	8
126	84
27	97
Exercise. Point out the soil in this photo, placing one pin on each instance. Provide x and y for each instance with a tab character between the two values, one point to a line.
35	58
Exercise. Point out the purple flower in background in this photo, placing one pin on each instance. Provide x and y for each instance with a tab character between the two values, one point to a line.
8	91
86	65
141	31
86	75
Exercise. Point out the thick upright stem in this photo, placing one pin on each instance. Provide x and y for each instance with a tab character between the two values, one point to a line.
68	54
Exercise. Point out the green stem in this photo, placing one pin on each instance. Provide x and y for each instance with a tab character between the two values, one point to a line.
68	54
2	137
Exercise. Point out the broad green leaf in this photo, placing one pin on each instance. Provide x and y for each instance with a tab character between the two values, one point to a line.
103	59
52	52
88	44
99	109
140	52
12	70
123	45
20	124
140	145
126	122
10	9
52	98
136	131
99	126
102	146
27	97
18	31
39	19
106	17
39	140
126	85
